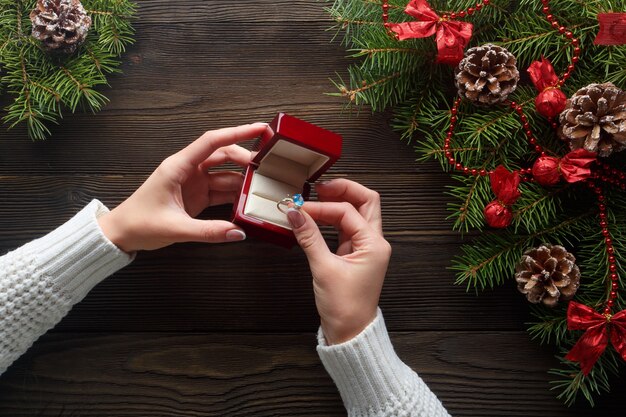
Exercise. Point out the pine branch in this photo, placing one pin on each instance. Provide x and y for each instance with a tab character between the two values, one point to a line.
421	93
43	86
489	260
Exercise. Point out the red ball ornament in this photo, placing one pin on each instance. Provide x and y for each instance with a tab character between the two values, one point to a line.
546	171
551	102
498	215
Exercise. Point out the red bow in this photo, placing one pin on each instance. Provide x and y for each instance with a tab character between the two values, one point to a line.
594	341
452	37
612	29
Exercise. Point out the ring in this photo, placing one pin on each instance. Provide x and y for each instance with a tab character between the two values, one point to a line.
297	200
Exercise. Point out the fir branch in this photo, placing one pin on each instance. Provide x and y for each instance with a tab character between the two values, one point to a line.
486	137
42	85
488	261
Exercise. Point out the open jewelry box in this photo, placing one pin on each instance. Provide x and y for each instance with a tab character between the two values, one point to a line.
289	156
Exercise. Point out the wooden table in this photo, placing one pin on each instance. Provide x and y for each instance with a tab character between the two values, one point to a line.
228	330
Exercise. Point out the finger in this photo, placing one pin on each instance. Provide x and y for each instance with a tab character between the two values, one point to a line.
365	200
202	148
343	217
225	181
232	153
210	231
346	219
309	236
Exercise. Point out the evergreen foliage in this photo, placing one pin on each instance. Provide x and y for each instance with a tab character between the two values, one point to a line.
41	85
402	75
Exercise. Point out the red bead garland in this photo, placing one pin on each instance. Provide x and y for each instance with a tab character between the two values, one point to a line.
610	251
568	35
524	172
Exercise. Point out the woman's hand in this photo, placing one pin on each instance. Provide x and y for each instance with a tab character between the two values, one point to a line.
161	212
347	284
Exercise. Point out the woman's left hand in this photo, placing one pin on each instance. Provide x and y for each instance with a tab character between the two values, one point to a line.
161	212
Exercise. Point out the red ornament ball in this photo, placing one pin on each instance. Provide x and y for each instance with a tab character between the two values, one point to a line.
546	171
498	215
551	102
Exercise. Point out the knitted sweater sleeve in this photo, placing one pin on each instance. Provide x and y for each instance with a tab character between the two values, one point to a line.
42	280
373	381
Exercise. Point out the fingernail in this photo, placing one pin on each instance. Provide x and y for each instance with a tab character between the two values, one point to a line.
235	235
296	219
326	182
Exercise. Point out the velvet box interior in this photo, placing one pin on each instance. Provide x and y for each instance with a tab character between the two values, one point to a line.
289	156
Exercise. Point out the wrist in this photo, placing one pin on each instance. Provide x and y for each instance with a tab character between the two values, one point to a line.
113	229
337	331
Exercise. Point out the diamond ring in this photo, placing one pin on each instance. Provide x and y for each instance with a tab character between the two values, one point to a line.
297	200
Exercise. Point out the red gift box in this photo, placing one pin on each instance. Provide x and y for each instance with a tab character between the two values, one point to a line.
289	156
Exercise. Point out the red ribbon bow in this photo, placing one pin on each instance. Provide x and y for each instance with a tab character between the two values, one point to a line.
600	328
612	29
451	36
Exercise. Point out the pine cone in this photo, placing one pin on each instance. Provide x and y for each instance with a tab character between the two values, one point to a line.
595	119
548	274
487	74
61	25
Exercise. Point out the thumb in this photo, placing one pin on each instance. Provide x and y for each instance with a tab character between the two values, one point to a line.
211	231
308	235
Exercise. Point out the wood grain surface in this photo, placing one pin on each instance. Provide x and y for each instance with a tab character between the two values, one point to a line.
227	330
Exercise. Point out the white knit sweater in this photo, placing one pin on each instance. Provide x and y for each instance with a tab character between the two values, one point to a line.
42	280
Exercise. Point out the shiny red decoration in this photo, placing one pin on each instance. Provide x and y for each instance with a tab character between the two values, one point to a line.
498	215
546	171
612	29
599	330
551	101
505	186
451	36
573	167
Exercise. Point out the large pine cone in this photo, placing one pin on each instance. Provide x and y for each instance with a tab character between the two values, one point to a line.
61	25
595	119
487	74
548	274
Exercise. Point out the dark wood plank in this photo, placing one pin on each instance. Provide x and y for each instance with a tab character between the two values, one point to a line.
473	373
413	204
186	77
197	287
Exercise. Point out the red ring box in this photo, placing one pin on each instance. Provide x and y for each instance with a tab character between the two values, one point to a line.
289	156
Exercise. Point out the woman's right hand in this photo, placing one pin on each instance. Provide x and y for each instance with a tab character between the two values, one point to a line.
347	284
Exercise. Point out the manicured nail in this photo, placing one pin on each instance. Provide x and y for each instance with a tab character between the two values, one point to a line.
296	219
235	235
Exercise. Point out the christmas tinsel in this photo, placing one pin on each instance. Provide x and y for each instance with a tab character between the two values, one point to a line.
42	85
404	76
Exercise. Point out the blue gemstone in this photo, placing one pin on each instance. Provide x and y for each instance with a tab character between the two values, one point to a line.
298	200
